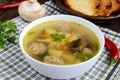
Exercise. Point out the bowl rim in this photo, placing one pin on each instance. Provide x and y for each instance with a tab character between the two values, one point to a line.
45	19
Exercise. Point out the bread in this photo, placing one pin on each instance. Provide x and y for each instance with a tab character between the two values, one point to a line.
115	5
94	7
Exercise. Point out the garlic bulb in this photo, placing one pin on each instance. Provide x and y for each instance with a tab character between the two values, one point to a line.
31	10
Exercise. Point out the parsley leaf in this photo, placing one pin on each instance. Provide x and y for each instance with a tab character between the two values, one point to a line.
57	37
8	29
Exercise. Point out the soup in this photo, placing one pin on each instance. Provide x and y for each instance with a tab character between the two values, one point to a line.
61	42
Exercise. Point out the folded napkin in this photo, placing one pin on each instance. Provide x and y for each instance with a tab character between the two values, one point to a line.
13	65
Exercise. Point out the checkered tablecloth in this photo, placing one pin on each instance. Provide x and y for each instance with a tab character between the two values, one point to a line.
13	65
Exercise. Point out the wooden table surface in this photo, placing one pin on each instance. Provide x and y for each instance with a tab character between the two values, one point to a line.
113	24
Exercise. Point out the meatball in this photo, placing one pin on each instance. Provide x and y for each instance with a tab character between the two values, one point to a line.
53	60
37	48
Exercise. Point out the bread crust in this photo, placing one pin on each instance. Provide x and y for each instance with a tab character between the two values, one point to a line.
104	9
115	5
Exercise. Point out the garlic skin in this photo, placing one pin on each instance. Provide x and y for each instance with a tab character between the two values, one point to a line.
31	10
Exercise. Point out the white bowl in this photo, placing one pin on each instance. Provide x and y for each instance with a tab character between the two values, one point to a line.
61	71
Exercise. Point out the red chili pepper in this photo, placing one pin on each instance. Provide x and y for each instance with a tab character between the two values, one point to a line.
11	5
114	52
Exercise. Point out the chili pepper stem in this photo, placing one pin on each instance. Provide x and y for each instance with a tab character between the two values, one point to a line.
112	61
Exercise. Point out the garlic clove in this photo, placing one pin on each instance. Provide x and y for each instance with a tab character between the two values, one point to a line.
31	10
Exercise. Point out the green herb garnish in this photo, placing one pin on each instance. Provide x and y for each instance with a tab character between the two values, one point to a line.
57	37
8	29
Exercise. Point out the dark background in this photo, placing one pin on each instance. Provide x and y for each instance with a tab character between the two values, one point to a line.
113	24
